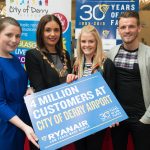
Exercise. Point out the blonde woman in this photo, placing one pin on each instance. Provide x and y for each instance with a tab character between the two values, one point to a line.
90	59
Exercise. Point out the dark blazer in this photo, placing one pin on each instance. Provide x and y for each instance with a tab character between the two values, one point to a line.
41	74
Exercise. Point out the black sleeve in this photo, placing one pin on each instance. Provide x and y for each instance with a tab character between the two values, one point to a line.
110	74
32	64
69	62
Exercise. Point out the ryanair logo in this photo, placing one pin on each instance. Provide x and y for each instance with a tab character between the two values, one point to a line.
105	33
104	8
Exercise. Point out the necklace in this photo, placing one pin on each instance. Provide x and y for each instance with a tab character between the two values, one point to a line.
60	72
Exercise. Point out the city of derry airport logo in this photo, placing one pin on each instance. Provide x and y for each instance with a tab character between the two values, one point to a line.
28	8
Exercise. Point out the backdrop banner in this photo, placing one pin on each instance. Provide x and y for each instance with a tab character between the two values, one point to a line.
29	12
103	14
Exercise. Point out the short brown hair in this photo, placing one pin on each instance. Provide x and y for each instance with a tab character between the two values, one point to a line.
130	14
4	22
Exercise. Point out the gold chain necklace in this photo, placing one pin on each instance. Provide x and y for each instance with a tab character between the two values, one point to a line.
61	72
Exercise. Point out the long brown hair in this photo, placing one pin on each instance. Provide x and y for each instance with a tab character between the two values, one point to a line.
40	31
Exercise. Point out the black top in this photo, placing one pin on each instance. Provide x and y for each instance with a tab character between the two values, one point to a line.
108	72
41	74
129	87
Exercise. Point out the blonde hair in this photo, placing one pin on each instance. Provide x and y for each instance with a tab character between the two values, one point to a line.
99	53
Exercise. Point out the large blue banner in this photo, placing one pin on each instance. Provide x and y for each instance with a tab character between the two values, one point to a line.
68	112
103	14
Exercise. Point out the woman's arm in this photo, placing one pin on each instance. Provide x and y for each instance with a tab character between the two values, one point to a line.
32	64
27	129
7	114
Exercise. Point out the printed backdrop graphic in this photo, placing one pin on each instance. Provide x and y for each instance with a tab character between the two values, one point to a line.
103	14
29	12
68	112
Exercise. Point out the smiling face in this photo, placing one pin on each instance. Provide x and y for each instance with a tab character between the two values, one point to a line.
129	30
9	38
51	34
88	44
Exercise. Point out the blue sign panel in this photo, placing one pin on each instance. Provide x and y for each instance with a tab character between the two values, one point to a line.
68	112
